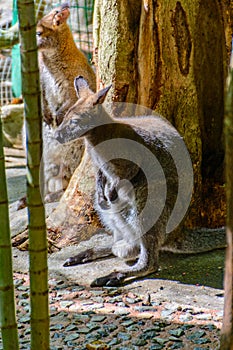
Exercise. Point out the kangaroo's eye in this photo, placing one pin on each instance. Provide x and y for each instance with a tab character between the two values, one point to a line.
74	121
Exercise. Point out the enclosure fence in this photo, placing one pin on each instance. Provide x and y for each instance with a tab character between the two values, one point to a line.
80	21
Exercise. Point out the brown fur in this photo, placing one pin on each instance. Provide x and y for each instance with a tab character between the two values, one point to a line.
60	61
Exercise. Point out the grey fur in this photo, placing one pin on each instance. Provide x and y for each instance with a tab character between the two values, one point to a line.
123	184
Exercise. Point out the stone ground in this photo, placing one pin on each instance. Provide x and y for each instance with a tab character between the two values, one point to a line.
180	307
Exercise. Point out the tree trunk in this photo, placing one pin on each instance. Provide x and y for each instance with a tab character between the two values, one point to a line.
227	329
170	56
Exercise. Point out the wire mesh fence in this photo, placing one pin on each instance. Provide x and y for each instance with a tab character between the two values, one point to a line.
5	59
6	94
80	21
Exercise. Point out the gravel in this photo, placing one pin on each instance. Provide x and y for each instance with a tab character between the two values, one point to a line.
78	322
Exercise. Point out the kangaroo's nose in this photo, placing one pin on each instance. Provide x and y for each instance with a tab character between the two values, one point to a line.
67	133
60	136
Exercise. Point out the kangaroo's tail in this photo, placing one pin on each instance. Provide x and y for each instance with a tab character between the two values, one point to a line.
196	241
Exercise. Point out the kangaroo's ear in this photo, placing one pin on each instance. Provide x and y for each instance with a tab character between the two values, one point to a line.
55	17
61	14
101	95
81	86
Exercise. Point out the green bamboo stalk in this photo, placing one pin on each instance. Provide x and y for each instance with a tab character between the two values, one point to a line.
37	227
7	304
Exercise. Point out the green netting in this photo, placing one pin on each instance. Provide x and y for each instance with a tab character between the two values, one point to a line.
15	56
80	21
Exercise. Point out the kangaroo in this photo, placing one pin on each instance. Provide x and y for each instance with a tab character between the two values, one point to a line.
60	61
134	199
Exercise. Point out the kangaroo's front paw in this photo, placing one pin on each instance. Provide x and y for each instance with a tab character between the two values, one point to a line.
53	197
125	250
80	258
56	184
114	279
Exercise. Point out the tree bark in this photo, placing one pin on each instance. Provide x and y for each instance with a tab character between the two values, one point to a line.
171	56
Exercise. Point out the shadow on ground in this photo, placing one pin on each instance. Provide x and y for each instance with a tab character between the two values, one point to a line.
198	269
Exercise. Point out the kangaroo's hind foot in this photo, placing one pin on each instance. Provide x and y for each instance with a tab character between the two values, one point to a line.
146	264
88	256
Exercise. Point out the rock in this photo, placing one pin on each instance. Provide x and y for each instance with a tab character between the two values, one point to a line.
75	216
176	332
128	323
139	342
98	345
124	336
84	330
146	308
160	341
98	318
114	341
56	327
204	316
148	334
185	318
12	123
167	313
65	303
121	311
71	337
18	222
82	318
110	327
131	300
196	335
93	326
156	347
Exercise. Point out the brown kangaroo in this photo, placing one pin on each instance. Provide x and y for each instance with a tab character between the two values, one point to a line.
60	61
142	163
